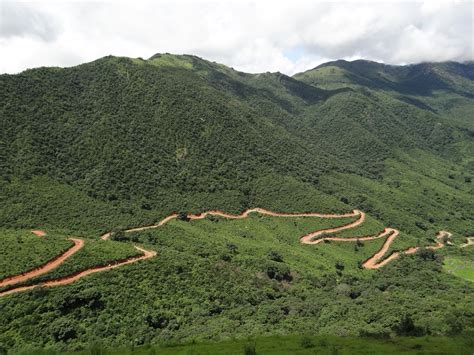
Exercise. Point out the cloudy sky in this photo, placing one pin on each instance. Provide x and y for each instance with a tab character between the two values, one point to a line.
252	36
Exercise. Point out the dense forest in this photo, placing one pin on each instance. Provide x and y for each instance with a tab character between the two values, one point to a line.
123	142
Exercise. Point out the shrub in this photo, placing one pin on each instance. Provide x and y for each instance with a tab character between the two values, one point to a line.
119	235
406	327
279	272
421	225
226	257
183	217
275	256
232	248
427	254
249	349
306	343
323	343
376	334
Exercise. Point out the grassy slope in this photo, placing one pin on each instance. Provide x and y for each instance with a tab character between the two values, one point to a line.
22	250
47	204
412	191
94	253
257	236
460	267
215	279
307	345
460	261
29	254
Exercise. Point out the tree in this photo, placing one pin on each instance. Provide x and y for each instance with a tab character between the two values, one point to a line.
306	343
232	248
427	254
119	235
249	349
183	217
339	265
345	200
455	322
275	256
406	327
63	330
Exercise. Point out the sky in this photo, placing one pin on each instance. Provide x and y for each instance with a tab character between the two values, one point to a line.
252	36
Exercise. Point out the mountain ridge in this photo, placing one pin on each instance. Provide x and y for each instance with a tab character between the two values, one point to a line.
328	63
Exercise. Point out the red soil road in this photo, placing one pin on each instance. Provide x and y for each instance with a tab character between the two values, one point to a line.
245	214
391	234
310	238
72	278
50	265
371	263
470	241
38	232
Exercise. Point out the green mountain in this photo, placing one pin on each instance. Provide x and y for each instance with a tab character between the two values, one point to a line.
122	142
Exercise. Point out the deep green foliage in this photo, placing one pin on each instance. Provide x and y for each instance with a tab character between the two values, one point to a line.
218	298
123	142
299	344
17	247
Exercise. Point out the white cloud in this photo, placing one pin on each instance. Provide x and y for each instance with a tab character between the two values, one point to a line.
19	20
252	36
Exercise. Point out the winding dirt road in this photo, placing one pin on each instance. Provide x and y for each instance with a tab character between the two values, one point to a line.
71	278
311	238
244	214
373	261
470	241
38	232
50	265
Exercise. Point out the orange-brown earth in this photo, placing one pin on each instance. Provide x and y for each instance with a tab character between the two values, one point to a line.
38	232
470	241
374	262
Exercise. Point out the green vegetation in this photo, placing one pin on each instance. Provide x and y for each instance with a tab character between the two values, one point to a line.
269	246
460	262
122	142
460	267
22	250
44	202
218	278
94	253
303	345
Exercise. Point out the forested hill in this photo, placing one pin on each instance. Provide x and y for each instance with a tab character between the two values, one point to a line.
122	142
118	144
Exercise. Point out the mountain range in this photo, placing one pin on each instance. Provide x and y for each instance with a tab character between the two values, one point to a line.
123	142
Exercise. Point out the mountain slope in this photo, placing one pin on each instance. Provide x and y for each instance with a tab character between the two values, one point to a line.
138	132
123	142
